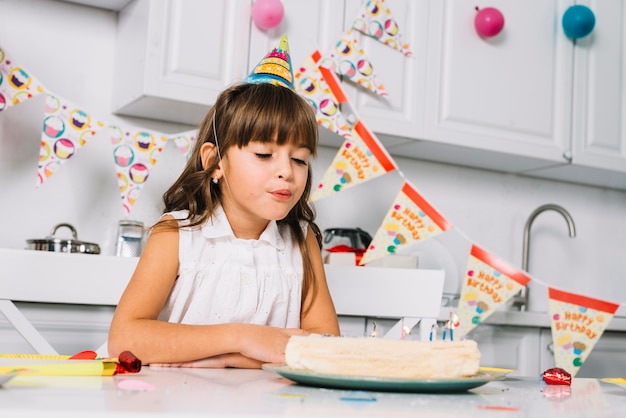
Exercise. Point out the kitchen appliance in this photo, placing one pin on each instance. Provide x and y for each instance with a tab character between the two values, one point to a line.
129	238
355	238
63	245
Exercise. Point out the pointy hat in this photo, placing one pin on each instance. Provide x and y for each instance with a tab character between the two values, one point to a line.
275	67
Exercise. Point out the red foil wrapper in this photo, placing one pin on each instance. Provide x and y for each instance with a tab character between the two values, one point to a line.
128	363
557	376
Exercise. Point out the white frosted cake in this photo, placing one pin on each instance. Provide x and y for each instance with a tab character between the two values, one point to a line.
377	357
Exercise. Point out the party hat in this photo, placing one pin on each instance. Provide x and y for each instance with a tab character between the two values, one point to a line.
275	68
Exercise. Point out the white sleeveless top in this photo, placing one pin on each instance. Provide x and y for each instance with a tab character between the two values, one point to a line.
224	279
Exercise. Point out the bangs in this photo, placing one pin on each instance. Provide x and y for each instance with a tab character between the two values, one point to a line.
273	113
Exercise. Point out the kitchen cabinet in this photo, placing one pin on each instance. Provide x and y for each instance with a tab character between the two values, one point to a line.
396	117
173	57
515	348
499	103
527	101
598	143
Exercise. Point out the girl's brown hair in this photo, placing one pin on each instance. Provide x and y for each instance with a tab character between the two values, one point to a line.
242	113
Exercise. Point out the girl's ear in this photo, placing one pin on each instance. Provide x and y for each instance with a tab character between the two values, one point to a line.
207	154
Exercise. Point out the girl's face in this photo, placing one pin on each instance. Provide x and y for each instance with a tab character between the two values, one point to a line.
263	180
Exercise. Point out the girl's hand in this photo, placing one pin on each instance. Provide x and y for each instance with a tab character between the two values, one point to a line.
217	362
266	344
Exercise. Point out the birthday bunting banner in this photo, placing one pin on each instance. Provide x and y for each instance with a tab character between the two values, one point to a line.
376	20
66	129
361	158
348	60
185	142
489	283
577	324
135	153
320	87
409	220
16	84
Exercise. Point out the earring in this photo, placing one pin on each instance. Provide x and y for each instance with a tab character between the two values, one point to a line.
214	180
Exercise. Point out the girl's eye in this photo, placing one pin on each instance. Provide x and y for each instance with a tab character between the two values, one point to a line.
300	162
263	156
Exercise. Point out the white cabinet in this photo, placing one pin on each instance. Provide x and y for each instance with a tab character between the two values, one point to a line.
397	117
507	347
527	101
175	56
598	144
499	103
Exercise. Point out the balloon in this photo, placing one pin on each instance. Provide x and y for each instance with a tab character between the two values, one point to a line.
578	21
267	13
488	22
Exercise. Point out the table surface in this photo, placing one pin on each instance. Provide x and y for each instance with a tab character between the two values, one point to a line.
161	392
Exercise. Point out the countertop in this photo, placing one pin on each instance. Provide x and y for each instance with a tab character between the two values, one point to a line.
162	392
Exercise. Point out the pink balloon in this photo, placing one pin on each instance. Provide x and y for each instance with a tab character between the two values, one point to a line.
267	13
488	22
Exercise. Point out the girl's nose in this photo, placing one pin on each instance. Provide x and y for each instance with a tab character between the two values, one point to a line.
284	169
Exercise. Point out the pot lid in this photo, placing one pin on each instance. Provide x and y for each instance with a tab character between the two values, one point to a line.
51	239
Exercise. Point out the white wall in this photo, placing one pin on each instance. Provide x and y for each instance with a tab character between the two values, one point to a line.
70	49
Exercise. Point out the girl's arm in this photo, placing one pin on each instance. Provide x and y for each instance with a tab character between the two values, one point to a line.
320	318
135	326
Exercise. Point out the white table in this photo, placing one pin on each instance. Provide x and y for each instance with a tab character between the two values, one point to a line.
227	393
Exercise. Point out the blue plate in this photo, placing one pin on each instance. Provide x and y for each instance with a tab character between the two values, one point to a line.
385	384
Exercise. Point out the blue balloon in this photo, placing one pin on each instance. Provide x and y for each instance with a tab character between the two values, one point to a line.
578	21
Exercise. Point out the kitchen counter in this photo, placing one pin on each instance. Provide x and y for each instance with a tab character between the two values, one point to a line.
162	392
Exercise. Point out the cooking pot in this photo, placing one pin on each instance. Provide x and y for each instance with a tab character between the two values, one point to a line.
63	245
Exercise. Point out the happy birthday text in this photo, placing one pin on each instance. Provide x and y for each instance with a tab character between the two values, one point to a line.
487	284
576	322
410	220
357	159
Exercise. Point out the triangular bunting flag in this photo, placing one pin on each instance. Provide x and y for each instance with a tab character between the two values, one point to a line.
185	142
275	67
16	84
375	20
66	128
320	87
409	220
359	159
349	60
488	283
577	324
135	153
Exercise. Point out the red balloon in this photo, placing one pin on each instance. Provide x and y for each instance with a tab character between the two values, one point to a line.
488	22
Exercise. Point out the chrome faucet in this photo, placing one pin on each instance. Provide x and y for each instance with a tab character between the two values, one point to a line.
521	299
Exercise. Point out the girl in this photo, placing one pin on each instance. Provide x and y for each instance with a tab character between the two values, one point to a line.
234	267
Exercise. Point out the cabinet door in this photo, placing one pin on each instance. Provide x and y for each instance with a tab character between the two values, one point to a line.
400	115
515	348
174	56
509	95
599	136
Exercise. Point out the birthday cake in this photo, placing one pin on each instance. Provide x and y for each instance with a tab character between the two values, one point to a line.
377	357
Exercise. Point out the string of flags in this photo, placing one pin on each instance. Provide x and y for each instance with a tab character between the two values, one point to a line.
577	321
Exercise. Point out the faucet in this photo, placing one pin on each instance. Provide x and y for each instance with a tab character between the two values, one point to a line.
521	299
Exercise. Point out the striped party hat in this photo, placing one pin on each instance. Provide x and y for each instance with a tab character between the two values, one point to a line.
275	67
